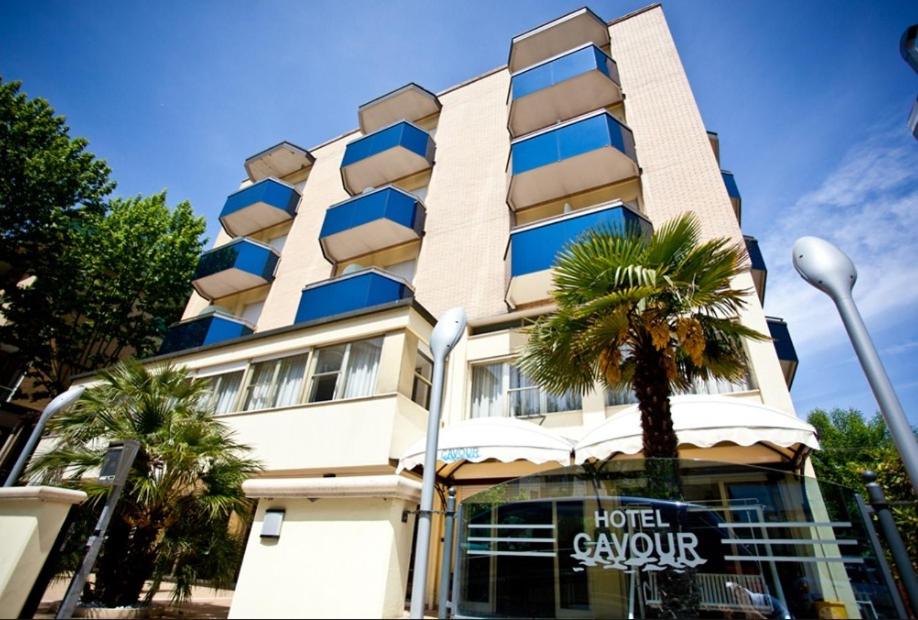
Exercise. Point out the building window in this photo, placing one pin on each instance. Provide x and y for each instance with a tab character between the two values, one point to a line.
276	383
423	371
345	371
223	392
625	396
502	390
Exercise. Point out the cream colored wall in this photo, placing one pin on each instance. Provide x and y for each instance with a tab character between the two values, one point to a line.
30	519
335	558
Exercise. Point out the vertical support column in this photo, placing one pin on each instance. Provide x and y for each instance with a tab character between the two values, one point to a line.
447	553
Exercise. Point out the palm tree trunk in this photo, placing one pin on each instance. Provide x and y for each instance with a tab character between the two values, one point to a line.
678	592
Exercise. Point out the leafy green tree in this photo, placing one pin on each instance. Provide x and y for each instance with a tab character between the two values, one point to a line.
173	518
49	183
123	277
652	314
851	444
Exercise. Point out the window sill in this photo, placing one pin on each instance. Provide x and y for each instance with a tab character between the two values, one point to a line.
357	399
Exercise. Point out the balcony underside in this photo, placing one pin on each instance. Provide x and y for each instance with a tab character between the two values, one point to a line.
227	282
571	98
261	205
581	26
278	161
383	168
596	168
410	102
366	239
758	280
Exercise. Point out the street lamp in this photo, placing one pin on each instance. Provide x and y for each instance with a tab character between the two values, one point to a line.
60	402
446	334
831	271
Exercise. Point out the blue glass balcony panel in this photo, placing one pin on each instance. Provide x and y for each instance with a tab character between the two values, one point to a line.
203	330
575	83
578	155
237	266
533	249
371	222
258	206
733	192
349	293
757	266
385	155
784	347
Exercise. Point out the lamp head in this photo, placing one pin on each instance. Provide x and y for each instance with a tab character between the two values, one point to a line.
447	332
824	266
65	399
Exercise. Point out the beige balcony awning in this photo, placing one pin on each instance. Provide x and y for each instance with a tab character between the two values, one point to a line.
491	439
704	422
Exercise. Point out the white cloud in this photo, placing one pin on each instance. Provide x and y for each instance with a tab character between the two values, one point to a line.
868	206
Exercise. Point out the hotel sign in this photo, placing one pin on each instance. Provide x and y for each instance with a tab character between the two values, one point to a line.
636	539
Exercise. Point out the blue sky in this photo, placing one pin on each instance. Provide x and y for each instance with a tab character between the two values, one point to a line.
809	99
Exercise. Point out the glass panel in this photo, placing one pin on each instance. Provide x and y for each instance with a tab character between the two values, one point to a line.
226	389
526	398
290	380
260	386
362	366
323	388
330	358
487	387
667	538
623	396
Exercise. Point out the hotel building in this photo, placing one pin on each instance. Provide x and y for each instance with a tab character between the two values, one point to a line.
312	313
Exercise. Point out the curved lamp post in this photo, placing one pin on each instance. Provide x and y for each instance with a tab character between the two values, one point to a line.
59	403
446	334
831	271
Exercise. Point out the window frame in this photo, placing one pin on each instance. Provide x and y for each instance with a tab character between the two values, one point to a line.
235	406
274	386
340	385
416	376
505	406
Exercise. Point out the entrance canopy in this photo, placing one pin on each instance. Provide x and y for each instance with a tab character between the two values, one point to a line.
704	422
485	439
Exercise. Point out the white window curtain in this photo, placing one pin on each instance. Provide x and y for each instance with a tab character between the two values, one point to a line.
622	396
290	377
362	368
487	390
259	389
226	389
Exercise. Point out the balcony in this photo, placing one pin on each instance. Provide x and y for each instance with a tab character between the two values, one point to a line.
237	266
256	207
532	249
557	36
353	292
735	199
278	161
561	88
203	330
370	222
575	156
410	103
784	347
386	155
757	266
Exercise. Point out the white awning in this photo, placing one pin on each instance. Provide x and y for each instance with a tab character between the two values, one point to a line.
703	422
483	439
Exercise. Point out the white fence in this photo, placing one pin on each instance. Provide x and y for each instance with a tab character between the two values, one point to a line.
721	592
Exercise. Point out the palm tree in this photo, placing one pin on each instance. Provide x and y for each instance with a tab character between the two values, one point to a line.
184	487
652	314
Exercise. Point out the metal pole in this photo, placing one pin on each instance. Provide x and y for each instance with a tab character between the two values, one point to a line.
893	540
899	428
831	271
60	402
422	547
881	557
94	542
446	334
446	564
